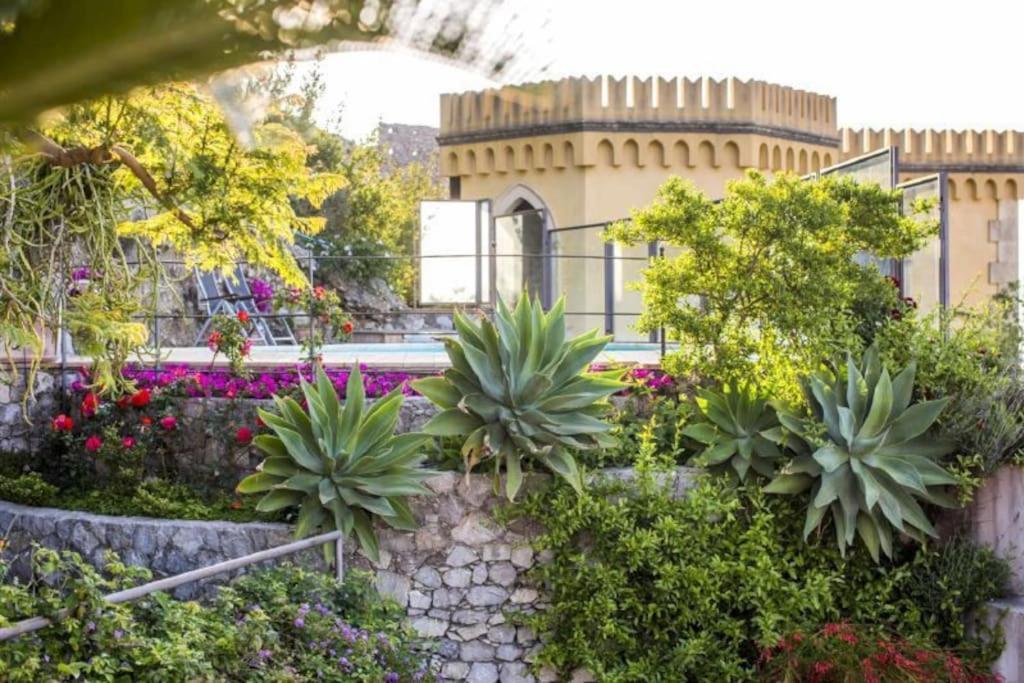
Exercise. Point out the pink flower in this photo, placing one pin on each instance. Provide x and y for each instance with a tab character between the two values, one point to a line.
93	443
128	442
169	423
243	436
62	423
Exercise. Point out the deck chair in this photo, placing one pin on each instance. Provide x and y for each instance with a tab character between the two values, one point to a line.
221	295
272	331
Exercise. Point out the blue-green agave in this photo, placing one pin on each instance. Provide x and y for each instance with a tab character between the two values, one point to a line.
341	465
741	431
866	456
518	389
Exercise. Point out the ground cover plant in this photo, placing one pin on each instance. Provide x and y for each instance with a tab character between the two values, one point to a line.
647	587
283	623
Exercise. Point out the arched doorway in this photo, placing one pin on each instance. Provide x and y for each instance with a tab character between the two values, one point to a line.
520	248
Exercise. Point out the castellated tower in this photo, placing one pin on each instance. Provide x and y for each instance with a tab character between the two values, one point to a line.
586	151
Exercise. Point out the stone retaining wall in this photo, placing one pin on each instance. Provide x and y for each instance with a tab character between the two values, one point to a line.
457	575
17	434
206	428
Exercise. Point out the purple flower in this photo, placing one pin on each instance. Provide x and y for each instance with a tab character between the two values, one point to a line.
391	677
118	634
262	293
91	626
299	622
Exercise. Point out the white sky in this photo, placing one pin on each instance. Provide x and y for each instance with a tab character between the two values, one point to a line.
897	63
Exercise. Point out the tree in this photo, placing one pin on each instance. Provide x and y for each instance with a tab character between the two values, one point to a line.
764	284
160	167
375	215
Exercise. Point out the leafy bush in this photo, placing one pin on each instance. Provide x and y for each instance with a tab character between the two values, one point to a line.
644	587
517	389
660	418
27	489
286	623
762	285
342	466
740	429
874	459
843	653
969	355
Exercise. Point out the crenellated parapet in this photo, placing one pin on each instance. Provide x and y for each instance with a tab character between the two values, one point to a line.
631	104
967	151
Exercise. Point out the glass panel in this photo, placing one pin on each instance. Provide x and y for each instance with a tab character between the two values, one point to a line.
629	265
922	270
578	265
519	255
873	168
484	259
448	234
878	168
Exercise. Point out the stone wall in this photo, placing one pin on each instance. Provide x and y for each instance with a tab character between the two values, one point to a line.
458	576
994	519
18	434
206	428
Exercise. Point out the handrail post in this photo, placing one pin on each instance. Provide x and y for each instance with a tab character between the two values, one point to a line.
339	560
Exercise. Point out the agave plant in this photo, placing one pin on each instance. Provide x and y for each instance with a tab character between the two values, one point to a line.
517	389
741	431
342	466
866	456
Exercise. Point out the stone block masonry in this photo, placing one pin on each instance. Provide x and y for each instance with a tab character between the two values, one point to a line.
457	576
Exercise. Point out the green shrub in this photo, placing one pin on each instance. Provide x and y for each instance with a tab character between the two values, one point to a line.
340	466
27	489
763	285
280	624
740	430
969	355
662	417
519	391
647	588
866	456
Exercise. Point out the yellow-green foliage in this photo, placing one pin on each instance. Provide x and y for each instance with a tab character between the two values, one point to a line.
237	199
762	285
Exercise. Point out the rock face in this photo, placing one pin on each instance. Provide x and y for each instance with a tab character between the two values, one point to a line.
458	576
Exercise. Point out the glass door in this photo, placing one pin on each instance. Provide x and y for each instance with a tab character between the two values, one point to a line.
519	256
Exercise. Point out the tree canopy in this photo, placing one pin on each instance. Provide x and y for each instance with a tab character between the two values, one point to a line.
766	281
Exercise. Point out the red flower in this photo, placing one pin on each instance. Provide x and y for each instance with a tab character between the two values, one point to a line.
169	423
348	327
259	422
214	340
147	420
93	443
140	399
243	436
243	317
122	402
236	505
128	442
62	423
89	404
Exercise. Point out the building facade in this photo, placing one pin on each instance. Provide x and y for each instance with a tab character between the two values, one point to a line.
582	152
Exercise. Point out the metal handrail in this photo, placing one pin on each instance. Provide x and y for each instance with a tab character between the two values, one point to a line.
165	584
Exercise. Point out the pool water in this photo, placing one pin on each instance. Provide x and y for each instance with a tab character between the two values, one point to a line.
438	347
